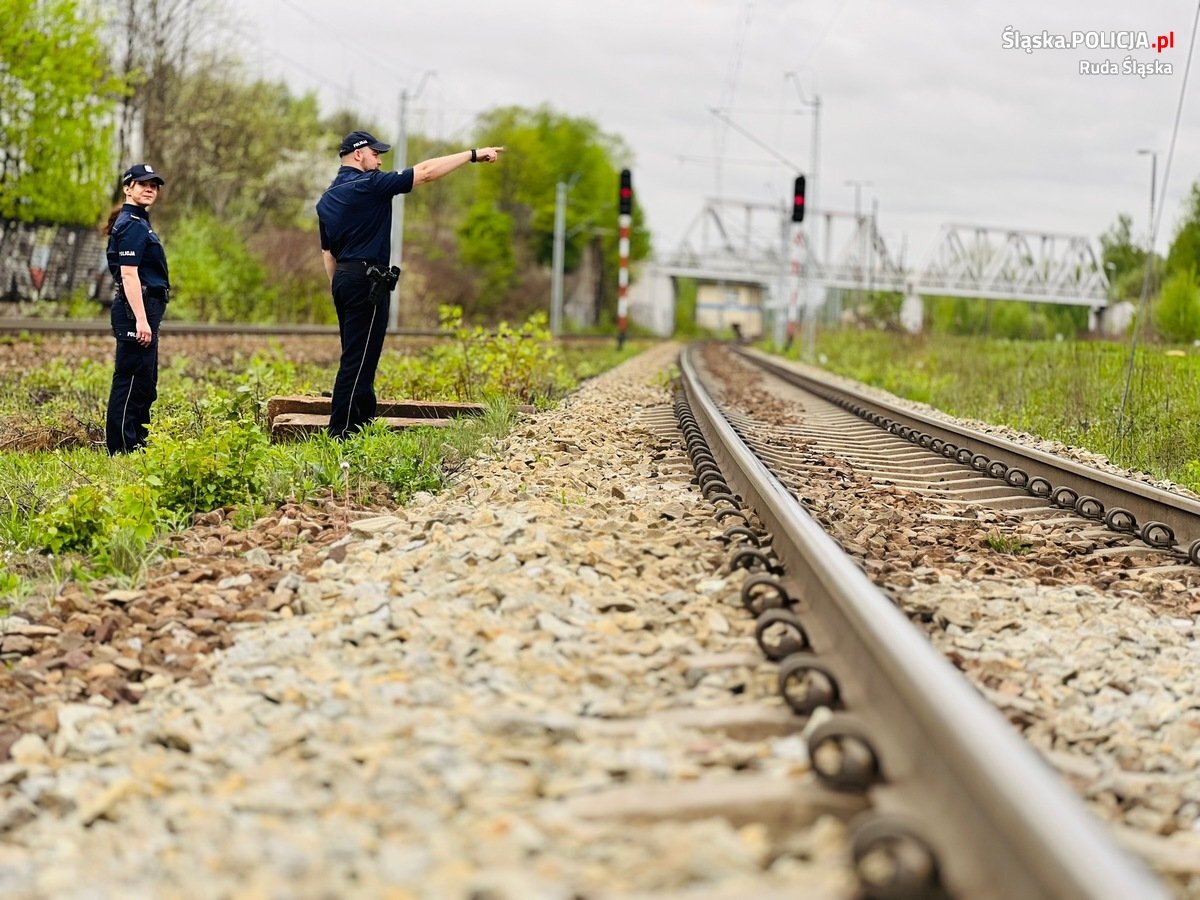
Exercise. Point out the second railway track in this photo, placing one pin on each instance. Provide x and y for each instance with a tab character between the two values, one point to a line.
1081	632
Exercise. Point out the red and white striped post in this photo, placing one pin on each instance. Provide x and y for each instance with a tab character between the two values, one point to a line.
624	223
798	252
796	266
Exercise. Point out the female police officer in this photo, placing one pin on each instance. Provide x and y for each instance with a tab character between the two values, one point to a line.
141	286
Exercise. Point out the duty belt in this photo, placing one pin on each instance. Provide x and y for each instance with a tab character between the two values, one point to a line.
354	265
148	293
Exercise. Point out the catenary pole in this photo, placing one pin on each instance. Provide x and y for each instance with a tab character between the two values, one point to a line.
398	201
560	239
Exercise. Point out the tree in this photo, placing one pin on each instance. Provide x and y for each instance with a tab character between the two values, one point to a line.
1124	262
1185	248
544	148
1177	312
486	239
154	42
216	277
247	152
56	101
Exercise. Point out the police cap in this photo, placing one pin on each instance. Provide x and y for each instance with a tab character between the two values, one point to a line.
140	172
356	140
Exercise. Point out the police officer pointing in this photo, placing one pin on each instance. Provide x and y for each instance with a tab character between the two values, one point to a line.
355	218
141	286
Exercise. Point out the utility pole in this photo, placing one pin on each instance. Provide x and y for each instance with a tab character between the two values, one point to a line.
811	284
858	224
815	153
560	239
1153	154
560	252
398	200
871	245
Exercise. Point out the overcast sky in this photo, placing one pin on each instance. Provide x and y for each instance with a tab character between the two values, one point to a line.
923	101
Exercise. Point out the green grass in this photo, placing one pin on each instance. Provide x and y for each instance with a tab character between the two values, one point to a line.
74	512
1068	391
1011	546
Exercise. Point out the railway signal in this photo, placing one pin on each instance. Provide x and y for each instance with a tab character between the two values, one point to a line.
798	200
624	221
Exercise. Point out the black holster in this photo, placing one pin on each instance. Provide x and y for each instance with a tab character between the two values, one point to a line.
388	277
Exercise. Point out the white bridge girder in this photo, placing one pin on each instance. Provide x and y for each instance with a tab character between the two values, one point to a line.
748	243
975	261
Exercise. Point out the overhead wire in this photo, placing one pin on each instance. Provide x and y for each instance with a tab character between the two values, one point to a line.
324	29
342	89
346	92
816	45
731	83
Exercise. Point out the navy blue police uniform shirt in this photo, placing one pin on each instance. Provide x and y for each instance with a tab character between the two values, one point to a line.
355	214
133	242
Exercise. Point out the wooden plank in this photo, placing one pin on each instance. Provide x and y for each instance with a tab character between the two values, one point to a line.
411	409
295	426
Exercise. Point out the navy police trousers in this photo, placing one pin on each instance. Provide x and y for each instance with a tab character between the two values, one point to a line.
135	377
362	310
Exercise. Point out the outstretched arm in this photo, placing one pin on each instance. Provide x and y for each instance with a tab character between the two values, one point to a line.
433	169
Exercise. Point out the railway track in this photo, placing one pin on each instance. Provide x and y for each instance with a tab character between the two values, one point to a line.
20	324
954	527
529	686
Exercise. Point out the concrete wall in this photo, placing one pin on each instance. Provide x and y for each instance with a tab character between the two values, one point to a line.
721	306
49	262
652	301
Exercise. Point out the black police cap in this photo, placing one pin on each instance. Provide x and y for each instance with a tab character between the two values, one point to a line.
140	172
356	140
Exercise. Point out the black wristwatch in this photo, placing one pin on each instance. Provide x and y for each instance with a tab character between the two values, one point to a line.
474	158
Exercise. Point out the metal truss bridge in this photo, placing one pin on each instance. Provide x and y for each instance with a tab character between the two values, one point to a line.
753	243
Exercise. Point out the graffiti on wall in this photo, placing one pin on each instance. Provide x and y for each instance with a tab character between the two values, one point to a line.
50	262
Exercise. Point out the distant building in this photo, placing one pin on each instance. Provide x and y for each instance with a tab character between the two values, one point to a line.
722	305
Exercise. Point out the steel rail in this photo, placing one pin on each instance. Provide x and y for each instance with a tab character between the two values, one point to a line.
1147	506
1000	822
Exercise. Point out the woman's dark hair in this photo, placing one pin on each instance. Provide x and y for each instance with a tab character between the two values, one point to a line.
112	217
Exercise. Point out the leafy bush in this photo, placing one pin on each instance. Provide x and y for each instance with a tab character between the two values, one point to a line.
76	522
10	583
114	530
685	308
214	275
485	240
1177	312
208	471
1014	319
521	364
